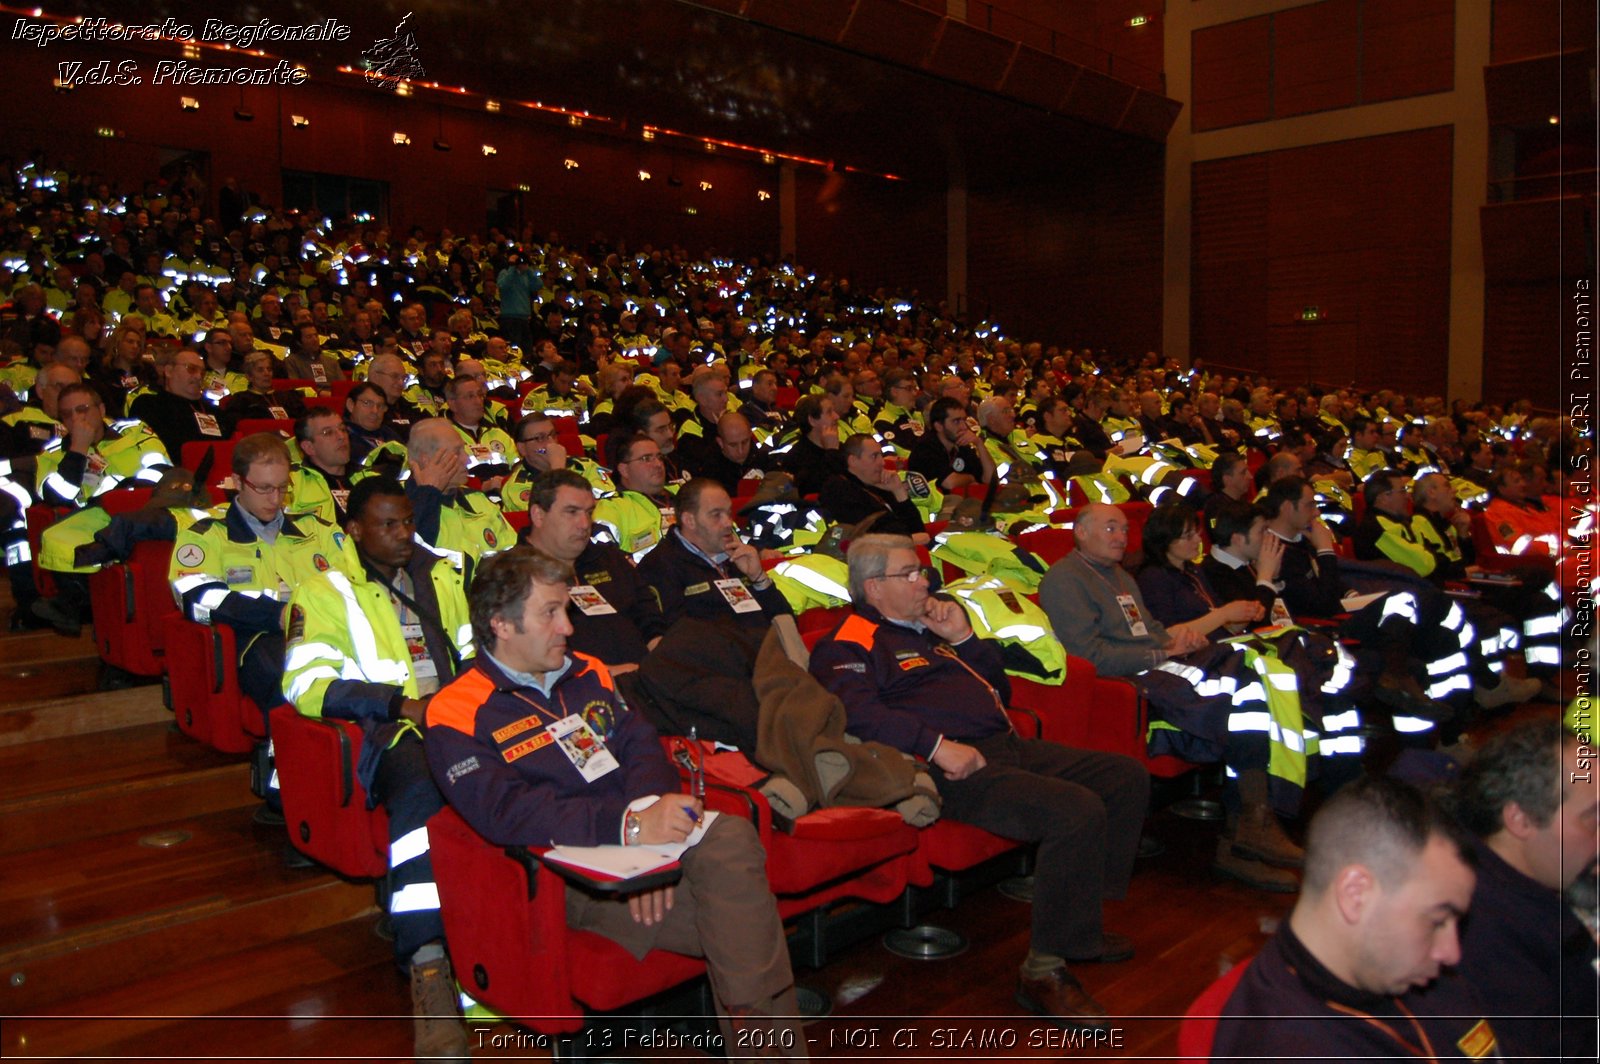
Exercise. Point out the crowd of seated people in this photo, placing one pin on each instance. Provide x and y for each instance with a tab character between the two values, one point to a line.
631	410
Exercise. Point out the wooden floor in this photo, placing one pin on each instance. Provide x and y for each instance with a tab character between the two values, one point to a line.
143	916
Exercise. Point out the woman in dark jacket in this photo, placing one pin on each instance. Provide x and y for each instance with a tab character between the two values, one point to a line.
1174	589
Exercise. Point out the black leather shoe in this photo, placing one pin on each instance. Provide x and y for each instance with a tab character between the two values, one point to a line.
1113	948
1060	997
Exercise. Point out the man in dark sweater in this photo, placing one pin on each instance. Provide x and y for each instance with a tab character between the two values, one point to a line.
178	414
912	674
1375	926
702	569
868	489
1532	801
615	615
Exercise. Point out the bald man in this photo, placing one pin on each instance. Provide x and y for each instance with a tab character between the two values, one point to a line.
731	456
180	414
1206	692
454	519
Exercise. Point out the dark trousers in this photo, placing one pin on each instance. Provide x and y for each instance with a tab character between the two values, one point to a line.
406	788
261	679
1084	808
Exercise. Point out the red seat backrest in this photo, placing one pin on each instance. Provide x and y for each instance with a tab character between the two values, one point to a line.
1199	1027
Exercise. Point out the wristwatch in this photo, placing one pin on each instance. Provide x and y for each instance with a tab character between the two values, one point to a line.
631	826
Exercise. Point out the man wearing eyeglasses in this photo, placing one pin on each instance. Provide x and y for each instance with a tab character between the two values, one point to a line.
221	371
637	516
238	569
912	674
321	482
541	451
388	372
93	457
180	414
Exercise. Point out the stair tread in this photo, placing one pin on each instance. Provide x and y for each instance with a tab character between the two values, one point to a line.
91	889
342	970
68	766
58	716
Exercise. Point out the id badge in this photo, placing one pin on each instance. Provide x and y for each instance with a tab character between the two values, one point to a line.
319	373
208	424
738	596
1130	613
480	454
586	750
341	498
590	601
278	413
422	666
1280	613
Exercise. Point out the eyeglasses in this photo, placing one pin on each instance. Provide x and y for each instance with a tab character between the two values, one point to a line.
372	404
654	457
332	430
910	576
81	408
265	489
539	437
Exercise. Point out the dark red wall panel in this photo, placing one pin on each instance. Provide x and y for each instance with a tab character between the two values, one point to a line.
1359	229
1315	51
1524	28
1408	48
1076	259
1232	74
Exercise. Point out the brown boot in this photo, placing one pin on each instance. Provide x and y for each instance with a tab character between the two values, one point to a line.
1251	873
438	1033
1259	836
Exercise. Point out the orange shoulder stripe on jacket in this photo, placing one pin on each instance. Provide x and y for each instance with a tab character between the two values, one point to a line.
857	629
595	665
456	704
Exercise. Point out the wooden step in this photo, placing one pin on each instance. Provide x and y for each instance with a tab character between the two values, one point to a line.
341	971
51	718
79	918
82	786
46	664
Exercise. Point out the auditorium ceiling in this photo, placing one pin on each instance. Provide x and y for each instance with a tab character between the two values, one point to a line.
706	73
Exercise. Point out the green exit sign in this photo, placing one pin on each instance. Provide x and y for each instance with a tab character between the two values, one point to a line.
1311	314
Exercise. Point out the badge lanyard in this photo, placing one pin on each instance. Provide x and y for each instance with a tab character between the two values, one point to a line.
415	607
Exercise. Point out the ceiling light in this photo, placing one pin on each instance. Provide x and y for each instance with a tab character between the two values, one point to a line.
492	106
299	121
763	194
648	134
191	51
570	164
711	148
644	175
574	121
402	139
490	149
524	187
705	186
189	103
768	158
1138	20
402	88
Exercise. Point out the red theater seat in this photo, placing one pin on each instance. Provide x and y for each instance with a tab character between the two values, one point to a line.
505	919
204	686
249	426
131	602
825	855
324	804
1198	1030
